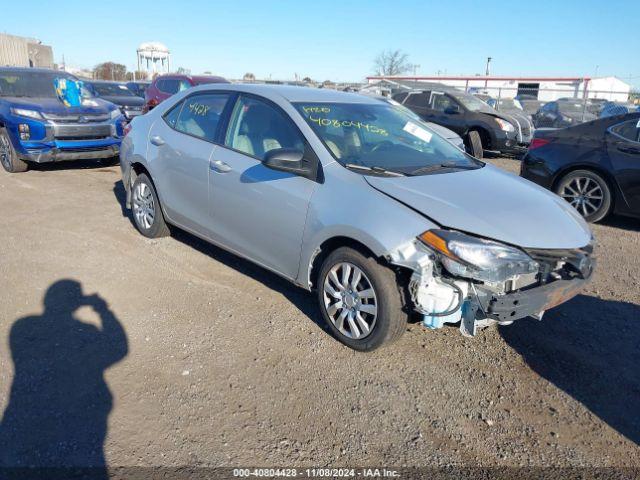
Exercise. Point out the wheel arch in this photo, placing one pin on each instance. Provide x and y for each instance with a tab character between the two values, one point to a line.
616	193
329	245
485	135
138	168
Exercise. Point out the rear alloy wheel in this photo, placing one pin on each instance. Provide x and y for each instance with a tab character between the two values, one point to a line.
360	300
147	213
8	156
473	142
587	192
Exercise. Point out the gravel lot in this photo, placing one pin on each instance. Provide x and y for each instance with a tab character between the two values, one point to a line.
218	362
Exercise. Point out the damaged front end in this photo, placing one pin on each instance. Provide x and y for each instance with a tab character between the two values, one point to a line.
479	282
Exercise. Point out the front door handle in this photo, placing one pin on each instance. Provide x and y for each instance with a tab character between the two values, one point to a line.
220	166
632	150
157	141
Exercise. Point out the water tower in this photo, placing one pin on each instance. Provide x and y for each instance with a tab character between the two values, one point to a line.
153	58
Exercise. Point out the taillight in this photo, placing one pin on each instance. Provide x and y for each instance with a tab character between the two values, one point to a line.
538	142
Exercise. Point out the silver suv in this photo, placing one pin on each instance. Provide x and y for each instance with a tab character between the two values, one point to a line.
355	199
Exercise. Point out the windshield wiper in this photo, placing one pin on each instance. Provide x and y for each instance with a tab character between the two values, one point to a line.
438	166
374	169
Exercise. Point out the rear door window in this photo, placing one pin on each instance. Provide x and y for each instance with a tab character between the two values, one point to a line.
629	130
199	115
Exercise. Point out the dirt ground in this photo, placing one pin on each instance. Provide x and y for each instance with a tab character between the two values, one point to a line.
204	359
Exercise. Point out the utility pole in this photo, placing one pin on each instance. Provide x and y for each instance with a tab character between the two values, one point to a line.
486	73
415	69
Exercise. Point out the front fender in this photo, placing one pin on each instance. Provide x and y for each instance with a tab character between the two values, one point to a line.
347	206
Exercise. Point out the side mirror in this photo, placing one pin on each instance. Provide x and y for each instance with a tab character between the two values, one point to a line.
287	160
452	110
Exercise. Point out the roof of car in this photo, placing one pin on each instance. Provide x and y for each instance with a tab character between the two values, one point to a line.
193	78
297	94
103	82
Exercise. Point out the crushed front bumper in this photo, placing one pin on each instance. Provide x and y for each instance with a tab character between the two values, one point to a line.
532	302
442	299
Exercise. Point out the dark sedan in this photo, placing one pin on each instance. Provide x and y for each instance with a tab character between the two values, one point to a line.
119	94
594	166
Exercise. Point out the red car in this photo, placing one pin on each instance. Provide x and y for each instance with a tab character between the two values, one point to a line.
166	85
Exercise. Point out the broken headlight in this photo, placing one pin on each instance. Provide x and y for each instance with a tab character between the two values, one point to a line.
471	257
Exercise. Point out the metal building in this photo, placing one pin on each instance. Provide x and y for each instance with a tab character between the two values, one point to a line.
24	52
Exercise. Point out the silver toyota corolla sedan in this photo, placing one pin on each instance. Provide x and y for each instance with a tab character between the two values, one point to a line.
351	197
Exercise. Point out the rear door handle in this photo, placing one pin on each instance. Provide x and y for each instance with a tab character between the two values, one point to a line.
157	140
219	166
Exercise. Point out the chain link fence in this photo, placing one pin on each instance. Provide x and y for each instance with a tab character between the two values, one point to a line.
555	107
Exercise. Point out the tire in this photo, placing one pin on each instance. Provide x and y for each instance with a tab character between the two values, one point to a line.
8	156
473	142
146	209
587	192
382	294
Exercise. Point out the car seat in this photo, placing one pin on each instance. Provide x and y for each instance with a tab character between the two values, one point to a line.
255	132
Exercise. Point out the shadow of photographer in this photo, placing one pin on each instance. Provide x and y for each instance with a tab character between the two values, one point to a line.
59	400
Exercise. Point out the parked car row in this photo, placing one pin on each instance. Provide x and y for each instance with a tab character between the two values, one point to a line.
119	94
560	113
280	175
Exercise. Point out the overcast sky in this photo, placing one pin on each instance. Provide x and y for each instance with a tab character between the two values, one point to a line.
338	40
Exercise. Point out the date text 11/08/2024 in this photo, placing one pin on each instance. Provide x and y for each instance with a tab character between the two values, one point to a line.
316	472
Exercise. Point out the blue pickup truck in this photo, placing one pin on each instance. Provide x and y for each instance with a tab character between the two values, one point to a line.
36	126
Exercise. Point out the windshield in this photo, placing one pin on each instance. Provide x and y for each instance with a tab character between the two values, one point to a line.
112	89
30	84
470	102
382	136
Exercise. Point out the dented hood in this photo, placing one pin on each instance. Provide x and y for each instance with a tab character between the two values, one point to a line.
491	203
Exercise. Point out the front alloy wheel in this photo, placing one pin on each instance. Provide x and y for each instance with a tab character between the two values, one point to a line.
350	300
361	299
